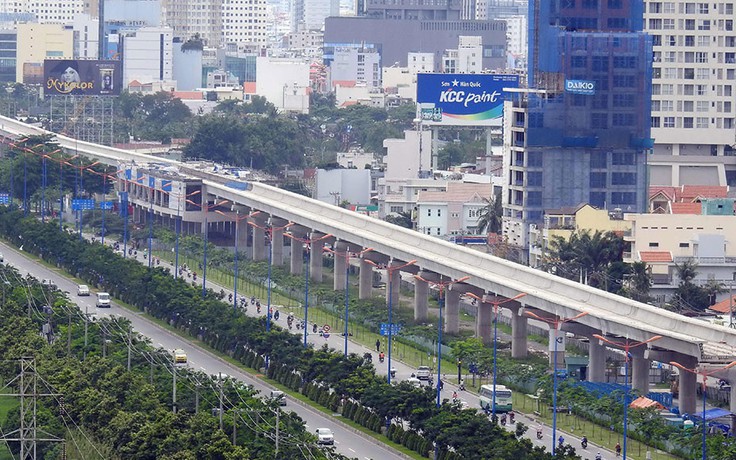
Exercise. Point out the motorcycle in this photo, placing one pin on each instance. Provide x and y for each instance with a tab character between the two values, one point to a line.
380	358
539	434
393	373
503	420
584	442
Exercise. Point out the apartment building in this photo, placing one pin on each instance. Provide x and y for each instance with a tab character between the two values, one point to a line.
693	92
43	11
580	134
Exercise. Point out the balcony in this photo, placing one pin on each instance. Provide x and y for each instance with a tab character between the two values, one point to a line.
706	260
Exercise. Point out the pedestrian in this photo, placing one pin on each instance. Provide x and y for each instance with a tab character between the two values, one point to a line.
378	344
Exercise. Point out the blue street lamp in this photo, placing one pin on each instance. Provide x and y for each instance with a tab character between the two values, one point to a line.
626	346
347	290
495	304
308	242
150	230
236	221
390	271
555	322
43	189
705	376
441	285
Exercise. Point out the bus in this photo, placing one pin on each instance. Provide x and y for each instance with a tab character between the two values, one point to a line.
503	398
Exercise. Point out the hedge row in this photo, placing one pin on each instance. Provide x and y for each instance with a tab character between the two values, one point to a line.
337	378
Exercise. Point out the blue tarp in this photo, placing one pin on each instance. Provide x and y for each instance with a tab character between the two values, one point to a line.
711	414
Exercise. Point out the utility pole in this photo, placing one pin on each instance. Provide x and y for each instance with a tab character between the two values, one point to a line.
235	424
69	335
130	345
173	390
219	374
278	418
27	433
104	343
196	398
86	327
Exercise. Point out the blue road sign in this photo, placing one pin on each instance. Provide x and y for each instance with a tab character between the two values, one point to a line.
79	204
395	328
107	205
4	198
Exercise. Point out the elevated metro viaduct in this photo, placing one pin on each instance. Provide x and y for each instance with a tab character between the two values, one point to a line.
685	340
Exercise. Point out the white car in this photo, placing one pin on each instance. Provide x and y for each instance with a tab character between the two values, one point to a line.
423	373
414	381
103	300
83	289
325	436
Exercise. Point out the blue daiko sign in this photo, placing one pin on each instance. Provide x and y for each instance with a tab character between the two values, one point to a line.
462	99
585	87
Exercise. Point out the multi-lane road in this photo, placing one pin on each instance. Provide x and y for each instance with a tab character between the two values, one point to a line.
348	441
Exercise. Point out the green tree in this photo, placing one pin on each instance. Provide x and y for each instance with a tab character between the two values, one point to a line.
490	220
590	255
689	295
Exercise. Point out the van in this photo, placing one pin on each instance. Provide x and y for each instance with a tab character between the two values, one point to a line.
103	300
279	396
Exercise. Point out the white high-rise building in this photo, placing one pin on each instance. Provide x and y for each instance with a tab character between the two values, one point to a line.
217	22
517	33
470	54
311	14
45	11
693	92
148	55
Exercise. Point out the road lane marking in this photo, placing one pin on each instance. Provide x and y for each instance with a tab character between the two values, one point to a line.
351	450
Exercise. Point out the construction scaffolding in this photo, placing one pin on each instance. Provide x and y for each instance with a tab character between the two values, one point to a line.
87	118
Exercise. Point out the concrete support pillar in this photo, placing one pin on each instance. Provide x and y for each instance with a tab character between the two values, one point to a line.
315	260
639	370
259	244
452	311
421	293
596	360
242	236
393	285
484	323
559	337
297	257
340	266
519	334
365	280
687	399
277	248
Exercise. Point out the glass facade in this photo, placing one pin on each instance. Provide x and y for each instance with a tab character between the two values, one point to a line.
587	127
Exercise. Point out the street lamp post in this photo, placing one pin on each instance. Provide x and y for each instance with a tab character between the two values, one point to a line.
626	345
556	323
441	285
705	376
495	304
236	220
205	207
390	272
308	242
347	255
268	230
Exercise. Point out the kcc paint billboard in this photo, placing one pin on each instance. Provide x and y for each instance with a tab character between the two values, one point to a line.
462	99
82	77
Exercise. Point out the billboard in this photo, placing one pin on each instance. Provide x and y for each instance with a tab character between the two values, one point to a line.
585	87
462	99
82	77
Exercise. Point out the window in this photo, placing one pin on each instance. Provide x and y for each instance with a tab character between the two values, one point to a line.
668	24
599	121
534	198
702	8
701	122
655	122
701	57
578	62
653	245
655	7
599	160
687	106
689	24
600	63
668	89
701	90
703	74
701	106
687	122
623	119
429	213
704	24
623	198
689	40
623	158
534	178
598	180
668	122
623	178
703	40
615	4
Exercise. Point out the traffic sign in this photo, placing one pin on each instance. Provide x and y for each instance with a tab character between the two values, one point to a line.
326	328
4	198
79	204
395	328
107	205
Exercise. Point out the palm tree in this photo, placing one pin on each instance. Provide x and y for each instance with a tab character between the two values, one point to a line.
586	254
491	215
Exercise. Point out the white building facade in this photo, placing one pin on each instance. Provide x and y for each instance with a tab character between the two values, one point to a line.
284	82
148	56
693	92
44	11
